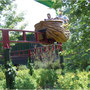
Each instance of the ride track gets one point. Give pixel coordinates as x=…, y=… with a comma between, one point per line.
x=6, y=43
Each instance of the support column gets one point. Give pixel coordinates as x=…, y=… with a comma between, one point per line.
x=9, y=72
x=30, y=64
x=6, y=57
x=61, y=61
x=61, y=57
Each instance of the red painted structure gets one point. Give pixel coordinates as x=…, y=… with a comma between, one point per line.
x=6, y=46
x=5, y=37
x=46, y=48
x=6, y=42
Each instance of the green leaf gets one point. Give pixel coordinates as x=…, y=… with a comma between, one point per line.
x=88, y=85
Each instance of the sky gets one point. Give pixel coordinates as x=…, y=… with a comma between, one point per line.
x=34, y=12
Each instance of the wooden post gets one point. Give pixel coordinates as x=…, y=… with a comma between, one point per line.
x=9, y=73
x=6, y=57
x=61, y=61
x=55, y=50
x=61, y=57
x=30, y=66
x=24, y=36
x=37, y=36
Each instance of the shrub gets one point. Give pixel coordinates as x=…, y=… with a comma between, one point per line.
x=47, y=64
x=22, y=73
x=2, y=68
x=78, y=80
x=24, y=80
x=56, y=65
x=47, y=79
x=2, y=75
x=2, y=84
x=88, y=68
x=36, y=73
x=25, y=83
x=22, y=67
x=39, y=64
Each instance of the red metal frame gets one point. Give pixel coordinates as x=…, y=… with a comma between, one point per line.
x=24, y=36
x=5, y=37
x=46, y=48
x=6, y=42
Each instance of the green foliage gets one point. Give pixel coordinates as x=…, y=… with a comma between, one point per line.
x=24, y=80
x=3, y=84
x=22, y=73
x=54, y=65
x=39, y=64
x=78, y=80
x=22, y=67
x=77, y=48
x=4, y=3
x=9, y=19
x=7, y=76
x=2, y=68
x=88, y=68
x=25, y=83
x=47, y=79
x=47, y=64
x=30, y=66
x=2, y=75
x=10, y=74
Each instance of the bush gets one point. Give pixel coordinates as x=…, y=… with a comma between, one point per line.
x=23, y=73
x=25, y=83
x=78, y=80
x=39, y=64
x=2, y=68
x=36, y=73
x=56, y=65
x=44, y=78
x=22, y=67
x=47, y=79
x=88, y=68
x=24, y=80
x=2, y=84
x=47, y=64
x=2, y=75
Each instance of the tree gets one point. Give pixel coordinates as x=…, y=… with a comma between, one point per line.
x=77, y=48
x=9, y=18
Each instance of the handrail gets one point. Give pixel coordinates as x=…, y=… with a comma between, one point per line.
x=17, y=30
x=6, y=41
x=45, y=48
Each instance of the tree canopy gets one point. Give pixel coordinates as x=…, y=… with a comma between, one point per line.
x=77, y=49
x=9, y=19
